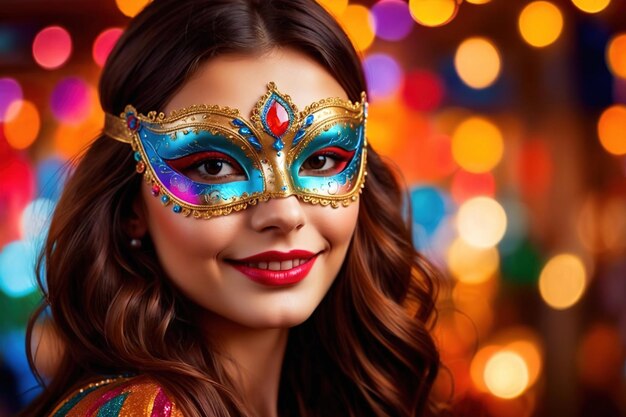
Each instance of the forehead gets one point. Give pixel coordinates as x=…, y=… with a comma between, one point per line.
x=237, y=81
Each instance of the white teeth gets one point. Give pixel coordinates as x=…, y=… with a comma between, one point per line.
x=277, y=265
x=274, y=266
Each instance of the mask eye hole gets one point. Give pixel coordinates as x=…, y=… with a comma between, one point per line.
x=326, y=162
x=209, y=167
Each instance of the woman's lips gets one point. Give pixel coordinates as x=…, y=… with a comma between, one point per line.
x=276, y=268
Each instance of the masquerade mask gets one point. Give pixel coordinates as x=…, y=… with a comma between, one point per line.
x=207, y=160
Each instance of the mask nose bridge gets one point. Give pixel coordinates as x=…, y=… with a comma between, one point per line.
x=278, y=181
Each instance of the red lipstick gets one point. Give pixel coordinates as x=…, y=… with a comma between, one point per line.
x=276, y=277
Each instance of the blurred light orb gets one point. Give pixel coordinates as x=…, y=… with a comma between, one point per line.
x=70, y=101
x=35, y=218
x=358, y=23
x=612, y=129
x=17, y=268
x=51, y=176
x=433, y=12
x=591, y=6
x=334, y=7
x=540, y=23
x=472, y=265
x=466, y=185
x=103, y=45
x=52, y=47
x=531, y=353
x=562, y=281
x=478, y=1
x=477, y=366
x=23, y=128
x=616, y=55
x=428, y=207
x=10, y=92
x=477, y=62
x=535, y=167
x=392, y=20
x=383, y=74
x=423, y=90
x=481, y=222
x=131, y=8
x=70, y=140
x=388, y=122
x=506, y=374
x=477, y=145
x=601, y=357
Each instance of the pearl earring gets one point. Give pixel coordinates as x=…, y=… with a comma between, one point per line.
x=135, y=243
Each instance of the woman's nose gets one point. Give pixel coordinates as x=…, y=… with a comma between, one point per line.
x=283, y=214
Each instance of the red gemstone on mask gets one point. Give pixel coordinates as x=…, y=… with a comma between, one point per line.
x=277, y=119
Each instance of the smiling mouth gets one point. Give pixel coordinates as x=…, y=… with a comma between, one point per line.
x=275, y=268
x=274, y=265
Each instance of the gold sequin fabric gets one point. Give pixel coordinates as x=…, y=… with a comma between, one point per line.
x=118, y=397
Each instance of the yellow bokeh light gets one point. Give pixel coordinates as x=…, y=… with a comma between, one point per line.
x=477, y=366
x=23, y=127
x=612, y=129
x=477, y=145
x=562, y=281
x=471, y=265
x=616, y=55
x=477, y=61
x=481, y=222
x=540, y=23
x=531, y=355
x=591, y=6
x=433, y=12
x=506, y=374
x=334, y=7
x=131, y=7
x=358, y=23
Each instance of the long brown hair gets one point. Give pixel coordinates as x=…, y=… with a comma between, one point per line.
x=366, y=350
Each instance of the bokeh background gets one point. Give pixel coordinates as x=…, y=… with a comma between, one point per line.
x=507, y=121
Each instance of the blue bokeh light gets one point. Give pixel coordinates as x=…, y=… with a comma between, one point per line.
x=17, y=268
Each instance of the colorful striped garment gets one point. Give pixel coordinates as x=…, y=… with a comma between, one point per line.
x=118, y=397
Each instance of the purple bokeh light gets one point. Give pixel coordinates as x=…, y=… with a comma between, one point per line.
x=10, y=91
x=383, y=74
x=70, y=100
x=392, y=20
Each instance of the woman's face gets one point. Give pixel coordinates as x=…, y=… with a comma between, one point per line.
x=203, y=257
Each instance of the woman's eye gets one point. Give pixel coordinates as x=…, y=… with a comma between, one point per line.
x=209, y=167
x=326, y=162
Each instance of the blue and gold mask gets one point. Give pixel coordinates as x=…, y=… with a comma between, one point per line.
x=207, y=160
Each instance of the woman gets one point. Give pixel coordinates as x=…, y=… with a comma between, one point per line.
x=232, y=259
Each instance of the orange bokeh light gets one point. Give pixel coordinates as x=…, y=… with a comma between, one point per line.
x=612, y=129
x=23, y=128
x=358, y=23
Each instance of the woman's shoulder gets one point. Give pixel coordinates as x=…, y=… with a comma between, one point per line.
x=118, y=397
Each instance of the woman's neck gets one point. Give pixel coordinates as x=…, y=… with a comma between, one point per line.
x=254, y=359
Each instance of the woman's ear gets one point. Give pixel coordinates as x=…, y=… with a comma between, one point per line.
x=136, y=225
